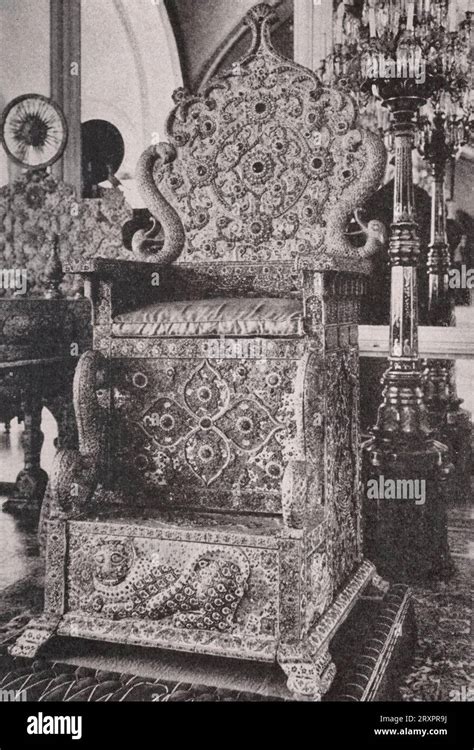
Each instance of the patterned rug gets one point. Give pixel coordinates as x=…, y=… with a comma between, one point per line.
x=46, y=681
x=443, y=666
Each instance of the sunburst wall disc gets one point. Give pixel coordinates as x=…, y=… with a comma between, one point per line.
x=33, y=131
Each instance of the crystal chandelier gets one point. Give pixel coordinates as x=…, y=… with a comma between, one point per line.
x=442, y=131
x=446, y=119
x=421, y=45
x=444, y=127
x=391, y=47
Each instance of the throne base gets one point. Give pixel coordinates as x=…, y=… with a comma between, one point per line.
x=309, y=666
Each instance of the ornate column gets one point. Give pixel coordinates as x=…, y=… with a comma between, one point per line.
x=402, y=415
x=392, y=54
x=438, y=261
x=453, y=424
x=405, y=539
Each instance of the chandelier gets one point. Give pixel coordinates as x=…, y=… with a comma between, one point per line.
x=419, y=46
x=408, y=62
x=395, y=47
x=444, y=127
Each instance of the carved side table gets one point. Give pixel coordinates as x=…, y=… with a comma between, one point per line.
x=40, y=342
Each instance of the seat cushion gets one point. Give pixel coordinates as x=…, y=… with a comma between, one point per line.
x=221, y=316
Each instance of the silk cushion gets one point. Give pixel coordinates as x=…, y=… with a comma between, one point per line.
x=220, y=316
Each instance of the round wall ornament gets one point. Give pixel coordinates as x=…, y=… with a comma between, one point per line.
x=33, y=131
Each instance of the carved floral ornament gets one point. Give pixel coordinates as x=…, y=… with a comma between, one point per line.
x=266, y=164
x=37, y=206
x=209, y=424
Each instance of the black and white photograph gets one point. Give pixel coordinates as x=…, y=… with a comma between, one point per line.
x=236, y=368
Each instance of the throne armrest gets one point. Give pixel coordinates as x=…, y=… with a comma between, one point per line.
x=76, y=474
x=114, y=284
x=112, y=268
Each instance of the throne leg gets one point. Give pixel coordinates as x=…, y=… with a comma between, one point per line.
x=307, y=661
x=40, y=629
x=37, y=634
x=309, y=676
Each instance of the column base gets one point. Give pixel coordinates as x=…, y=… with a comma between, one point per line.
x=27, y=494
x=404, y=511
x=456, y=433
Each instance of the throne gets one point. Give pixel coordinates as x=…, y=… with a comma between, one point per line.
x=214, y=506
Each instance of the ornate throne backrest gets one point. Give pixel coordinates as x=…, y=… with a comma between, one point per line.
x=266, y=165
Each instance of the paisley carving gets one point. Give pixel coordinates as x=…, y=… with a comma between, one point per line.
x=122, y=582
